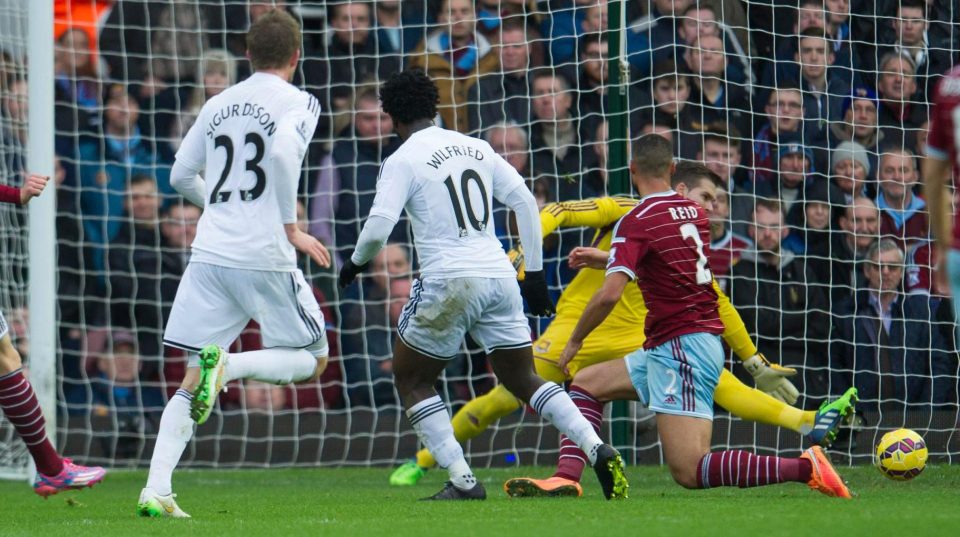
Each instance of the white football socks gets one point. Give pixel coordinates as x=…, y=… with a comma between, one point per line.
x=551, y=402
x=276, y=366
x=431, y=421
x=176, y=429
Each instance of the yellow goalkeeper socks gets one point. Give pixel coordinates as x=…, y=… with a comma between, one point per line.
x=750, y=404
x=475, y=417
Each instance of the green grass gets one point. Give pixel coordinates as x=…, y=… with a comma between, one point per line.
x=359, y=502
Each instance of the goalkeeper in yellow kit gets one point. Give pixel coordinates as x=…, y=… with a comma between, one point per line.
x=617, y=337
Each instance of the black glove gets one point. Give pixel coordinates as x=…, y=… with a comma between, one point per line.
x=534, y=291
x=349, y=271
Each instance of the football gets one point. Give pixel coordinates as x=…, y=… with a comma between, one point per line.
x=901, y=454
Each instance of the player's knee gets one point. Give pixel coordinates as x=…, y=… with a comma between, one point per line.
x=9, y=357
x=685, y=476
x=590, y=381
x=522, y=385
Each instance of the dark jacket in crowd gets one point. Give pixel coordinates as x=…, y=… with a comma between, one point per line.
x=908, y=364
x=784, y=313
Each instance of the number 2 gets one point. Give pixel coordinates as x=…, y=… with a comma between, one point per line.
x=689, y=231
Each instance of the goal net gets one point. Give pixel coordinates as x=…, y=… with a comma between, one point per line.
x=819, y=107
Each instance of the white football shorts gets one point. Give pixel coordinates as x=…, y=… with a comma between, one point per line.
x=214, y=304
x=441, y=311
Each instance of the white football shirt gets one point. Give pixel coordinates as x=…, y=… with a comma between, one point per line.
x=238, y=136
x=447, y=182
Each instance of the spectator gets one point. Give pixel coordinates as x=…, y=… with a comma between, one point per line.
x=118, y=393
x=14, y=126
x=858, y=123
x=401, y=24
x=785, y=112
x=493, y=14
x=455, y=57
x=794, y=167
x=106, y=168
x=368, y=324
x=909, y=37
x=261, y=397
x=823, y=88
x=137, y=289
x=806, y=15
x=883, y=342
x=859, y=224
x=671, y=94
x=598, y=176
x=652, y=39
x=721, y=154
x=810, y=237
x=899, y=116
x=504, y=95
x=178, y=106
x=347, y=182
x=555, y=138
x=76, y=91
x=772, y=290
x=509, y=140
x=354, y=54
x=903, y=215
x=712, y=99
x=725, y=245
x=568, y=21
x=700, y=20
x=850, y=168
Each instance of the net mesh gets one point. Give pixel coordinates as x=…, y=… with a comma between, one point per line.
x=735, y=84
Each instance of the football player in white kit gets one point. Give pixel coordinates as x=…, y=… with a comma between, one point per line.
x=446, y=181
x=249, y=141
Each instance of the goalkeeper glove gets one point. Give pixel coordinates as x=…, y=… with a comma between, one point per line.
x=772, y=378
x=534, y=290
x=349, y=271
x=516, y=258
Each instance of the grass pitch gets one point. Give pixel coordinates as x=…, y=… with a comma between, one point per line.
x=355, y=501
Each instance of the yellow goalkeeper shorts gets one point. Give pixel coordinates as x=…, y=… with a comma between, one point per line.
x=601, y=345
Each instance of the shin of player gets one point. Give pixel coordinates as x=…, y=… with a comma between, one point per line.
x=243, y=262
x=942, y=158
x=19, y=403
x=660, y=244
x=446, y=182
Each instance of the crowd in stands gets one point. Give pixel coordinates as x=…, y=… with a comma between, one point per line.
x=813, y=113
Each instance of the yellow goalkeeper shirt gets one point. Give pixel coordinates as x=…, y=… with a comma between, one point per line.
x=629, y=314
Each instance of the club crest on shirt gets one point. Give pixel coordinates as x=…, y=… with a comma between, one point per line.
x=302, y=130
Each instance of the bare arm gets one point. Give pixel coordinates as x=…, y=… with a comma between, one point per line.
x=307, y=244
x=935, y=173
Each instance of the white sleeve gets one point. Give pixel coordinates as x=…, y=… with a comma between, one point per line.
x=376, y=230
x=294, y=132
x=193, y=148
x=185, y=180
x=394, y=186
x=511, y=190
x=524, y=205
